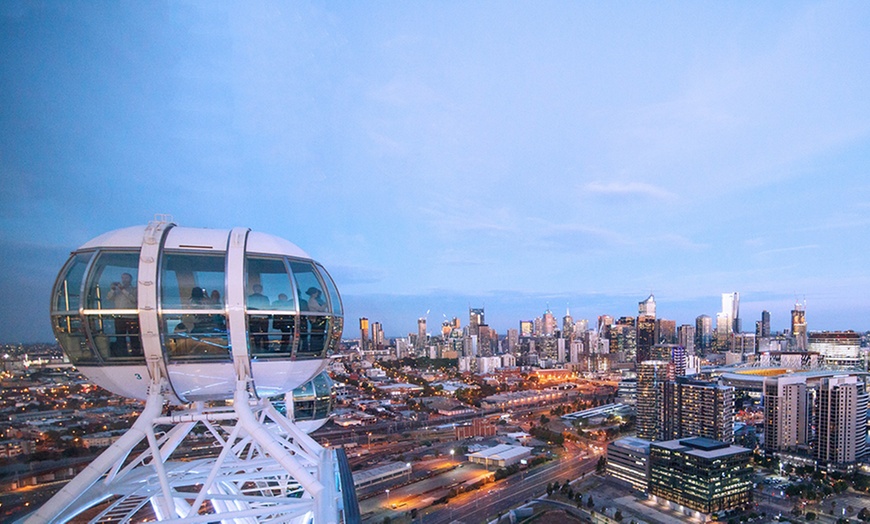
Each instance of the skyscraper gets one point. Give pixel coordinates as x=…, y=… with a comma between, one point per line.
x=475, y=319
x=364, y=335
x=421, y=333
x=647, y=307
x=799, y=326
x=567, y=325
x=731, y=308
x=703, y=332
x=693, y=408
x=549, y=323
x=651, y=375
x=786, y=413
x=646, y=330
x=513, y=339
x=378, y=341
x=527, y=328
x=841, y=421
x=686, y=338
x=666, y=331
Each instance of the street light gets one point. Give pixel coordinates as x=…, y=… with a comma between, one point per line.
x=451, y=456
x=388, y=498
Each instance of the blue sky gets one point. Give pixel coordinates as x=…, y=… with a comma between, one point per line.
x=436, y=156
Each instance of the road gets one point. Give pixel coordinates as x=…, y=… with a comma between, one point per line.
x=489, y=501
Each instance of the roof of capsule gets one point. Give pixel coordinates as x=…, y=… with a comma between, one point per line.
x=197, y=239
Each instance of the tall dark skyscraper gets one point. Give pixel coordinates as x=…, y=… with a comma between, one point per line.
x=666, y=331
x=475, y=319
x=646, y=337
x=703, y=332
x=421, y=333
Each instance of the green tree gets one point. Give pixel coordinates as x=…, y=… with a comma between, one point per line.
x=810, y=515
x=601, y=467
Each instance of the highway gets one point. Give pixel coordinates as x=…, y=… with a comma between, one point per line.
x=494, y=498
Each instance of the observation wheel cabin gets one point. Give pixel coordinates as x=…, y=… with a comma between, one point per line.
x=200, y=304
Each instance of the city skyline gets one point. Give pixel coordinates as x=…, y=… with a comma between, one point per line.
x=441, y=157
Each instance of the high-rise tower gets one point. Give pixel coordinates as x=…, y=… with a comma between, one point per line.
x=567, y=324
x=703, y=332
x=786, y=413
x=731, y=308
x=364, y=335
x=646, y=339
x=799, y=326
x=475, y=319
x=651, y=376
x=548, y=323
x=647, y=307
x=421, y=333
x=694, y=408
x=841, y=421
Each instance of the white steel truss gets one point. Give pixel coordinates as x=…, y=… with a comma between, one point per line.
x=266, y=470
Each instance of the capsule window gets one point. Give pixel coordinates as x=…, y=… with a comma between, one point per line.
x=268, y=285
x=196, y=337
x=310, y=288
x=112, y=282
x=334, y=298
x=193, y=281
x=68, y=290
x=116, y=337
x=71, y=336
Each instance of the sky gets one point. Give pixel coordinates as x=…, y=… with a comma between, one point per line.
x=437, y=156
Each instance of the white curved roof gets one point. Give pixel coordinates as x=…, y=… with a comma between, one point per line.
x=126, y=237
x=198, y=238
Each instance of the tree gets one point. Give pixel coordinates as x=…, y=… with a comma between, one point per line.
x=618, y=516
x=601, y=467
x=590, y=503
x=810, y=515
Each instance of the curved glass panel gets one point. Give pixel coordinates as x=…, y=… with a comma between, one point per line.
x=334, y=298
x=116, y=337
x=269, y=289
x=272, y=335
x=71, y=336
x=268, y=285
x=196, y=337
x=313, y=330
x=334, y=341
x=68, y=289
x=313, y=400
x=112, y=282
x=193, y=281
x=309, y=288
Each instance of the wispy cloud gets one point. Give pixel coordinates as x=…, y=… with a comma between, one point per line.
x=792, y=249
x=629, y=189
